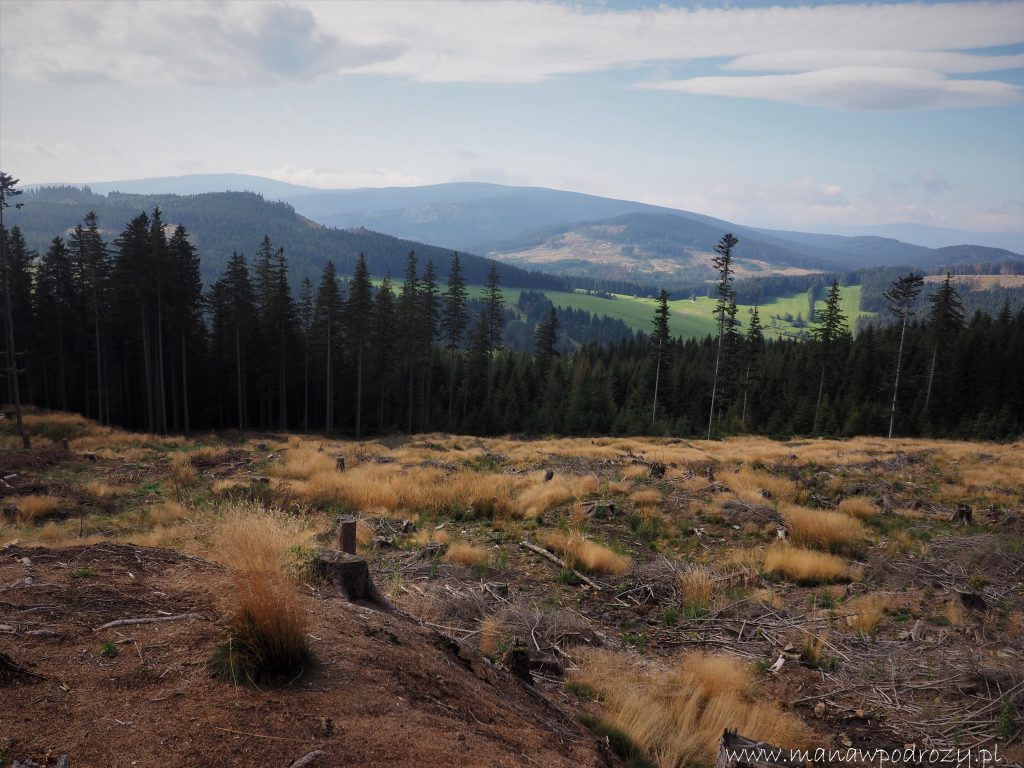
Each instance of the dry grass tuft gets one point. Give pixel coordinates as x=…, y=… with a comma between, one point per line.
x=538, y=498
x=465, y=554
x=817, y=527
x=804, y=565
x=697, y=587
x=768, y=597
x=181, y=473
x=267, y=635
x=646, y=497
x=27, y=509
x=865, y=612
x=748, y=485
x=428, y=536
x=860, y=507
x=677, y=717
x=303, y=461
x=619, y=486
x=579, y=552
x=101, y=490
x=166, y=512
x=490, y=636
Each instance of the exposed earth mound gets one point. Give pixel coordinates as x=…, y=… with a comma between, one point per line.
x=385, y=690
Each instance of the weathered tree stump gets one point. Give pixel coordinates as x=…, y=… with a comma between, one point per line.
x=735, y=751
x=657, y=470
x=548, y=475
x=352, y=576
x=339, y=463
x=517, y=660
x=964, y=515
x=347, y=534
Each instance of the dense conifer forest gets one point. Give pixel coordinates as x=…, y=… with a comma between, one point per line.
x=123, y=331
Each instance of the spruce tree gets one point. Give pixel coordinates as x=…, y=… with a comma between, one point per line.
x=545, y=340
x=659, y=340
x=327, y=327
x=8, y=189
x=454, y=320
x=829, y=332
x=945, y=321
x=358, y=321
x=186, y=307
x=754, y=347
x=430, y=311
x=305, y=313
x=384, y=334
x=409, y=316
x=725, y=309
x=54, y=299
x=901, y=297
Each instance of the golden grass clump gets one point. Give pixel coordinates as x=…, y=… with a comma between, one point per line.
x=538, y=498
x=465, y=554
x=303, y=461
x=634, y=471
x=619, y=486
x=748, y=485
x=860, y=507
x=392, y=487
x=804, y=565
x=818, y=527
x=427, y=536
x=648, y=496
x=490, y=636
x=697, y=587
x=98, y=489
x=865, y=612
x=267, y=634
x=181, y=473
x=27, y=509
x=768, y=597
x=166, y=512
x=677, y=717
x=579, y=552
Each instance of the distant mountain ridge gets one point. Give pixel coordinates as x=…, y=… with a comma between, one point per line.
x=573, y=233
x=220, y=223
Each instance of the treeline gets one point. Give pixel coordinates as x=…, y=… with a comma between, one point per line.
x=124, y=332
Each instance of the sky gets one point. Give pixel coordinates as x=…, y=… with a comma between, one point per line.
x=814, y=116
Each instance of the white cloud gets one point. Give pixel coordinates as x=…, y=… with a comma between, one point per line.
x=858, y=88
x=878, y=56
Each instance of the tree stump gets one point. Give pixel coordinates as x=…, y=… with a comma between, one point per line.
x=735, y=751
x=964, y=515
x=548, y=475
x=347, y=534
x=339, y=463
x=657, y=470
x=352, y=576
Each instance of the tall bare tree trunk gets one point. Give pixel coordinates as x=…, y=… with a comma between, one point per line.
x=896, y=383
x=160, y=390
x=330, y=394
x=657, y=380
x=817, y=406
x=12, y=360
x=359, y=392
x=184, y=380
x=99, y=356
x=147, y=368
x=714, y=381
x=931, y=379
x=241, y=388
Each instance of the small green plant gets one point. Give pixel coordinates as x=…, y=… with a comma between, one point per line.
x=636, y=640
x=671, y=616
x=568, y=577
x=109, y=650
x=620, y=743
x=84, y=573
x=500, y=560
x=580, y=690
x=1006, y=725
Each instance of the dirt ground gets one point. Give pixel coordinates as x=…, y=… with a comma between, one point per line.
x=385, y=691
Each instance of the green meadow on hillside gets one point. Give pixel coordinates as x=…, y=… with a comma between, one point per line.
x=693, y=318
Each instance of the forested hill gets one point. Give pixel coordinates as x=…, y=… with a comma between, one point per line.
x=221, y=223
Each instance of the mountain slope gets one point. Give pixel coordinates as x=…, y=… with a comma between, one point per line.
x=223, y=222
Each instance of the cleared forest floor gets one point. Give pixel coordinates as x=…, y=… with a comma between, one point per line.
x=810, y=593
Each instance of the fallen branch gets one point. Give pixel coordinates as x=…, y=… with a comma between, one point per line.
x=308, y=760
x=147, y=620
x=555, y=559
